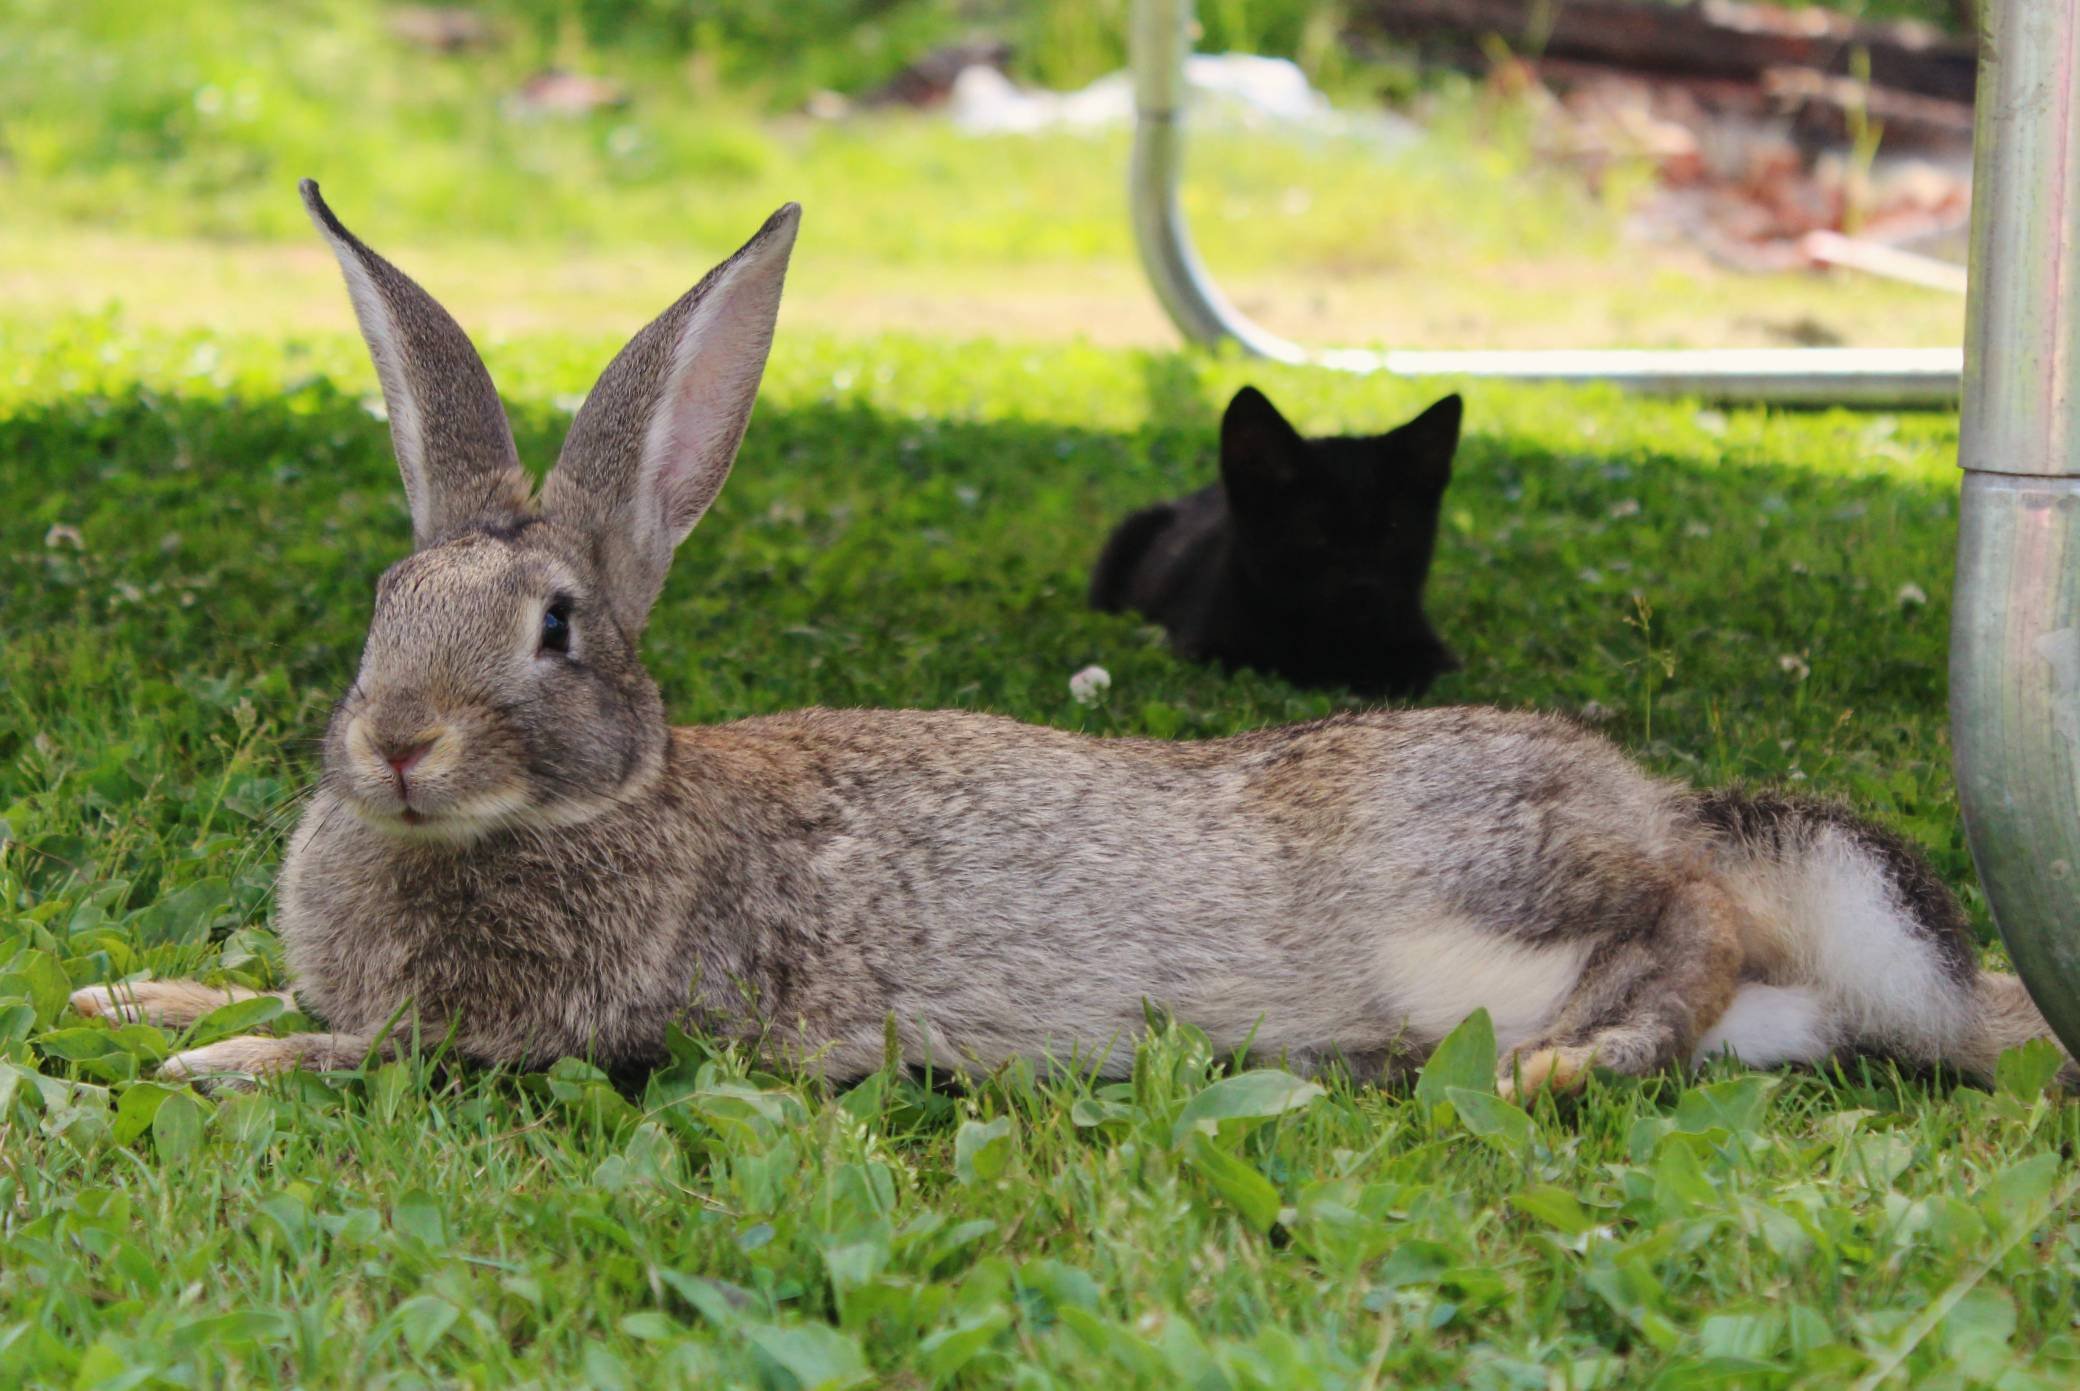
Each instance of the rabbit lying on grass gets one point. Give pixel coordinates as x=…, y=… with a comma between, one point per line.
x=510, y=842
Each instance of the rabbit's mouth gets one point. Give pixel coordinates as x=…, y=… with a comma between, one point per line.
x=410, y=823
x=463, y=824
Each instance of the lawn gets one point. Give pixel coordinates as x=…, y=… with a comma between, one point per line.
x=194, y=523
x=970, y=384
x=148, y=154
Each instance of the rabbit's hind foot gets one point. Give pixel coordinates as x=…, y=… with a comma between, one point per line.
x=1527, y=1072
x=1643, y=998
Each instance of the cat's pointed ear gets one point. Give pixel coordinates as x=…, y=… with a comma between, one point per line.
x=1425, y=445
x=1261, y=455
x=652, y=444
x=453, y=444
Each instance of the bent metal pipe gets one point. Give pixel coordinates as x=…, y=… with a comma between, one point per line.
x=2015, y=630
x=1159, y=40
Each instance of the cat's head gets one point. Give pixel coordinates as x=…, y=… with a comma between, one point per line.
x=1343, y=517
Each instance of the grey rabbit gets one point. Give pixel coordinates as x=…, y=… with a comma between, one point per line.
x=509, y=841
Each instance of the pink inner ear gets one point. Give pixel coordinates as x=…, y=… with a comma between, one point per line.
x=651, y=447
x=699, y=421
x=694, y=435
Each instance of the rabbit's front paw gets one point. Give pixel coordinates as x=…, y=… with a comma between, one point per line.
x=1526, y=1073
x=170, y=1003
x=237, y=1063
x=234, y=1064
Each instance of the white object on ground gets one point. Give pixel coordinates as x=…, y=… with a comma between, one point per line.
x=1241, y=88
x=1088, y=687
x=1877, y=258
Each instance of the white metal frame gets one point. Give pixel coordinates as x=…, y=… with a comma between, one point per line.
x=1159, y=43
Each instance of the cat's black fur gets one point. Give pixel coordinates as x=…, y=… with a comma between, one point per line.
x=1306, y=559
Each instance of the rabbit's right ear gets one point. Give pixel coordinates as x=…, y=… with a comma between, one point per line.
x=453, y=444
x=652, y=444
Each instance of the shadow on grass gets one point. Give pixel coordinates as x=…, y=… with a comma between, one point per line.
x=1729, y=618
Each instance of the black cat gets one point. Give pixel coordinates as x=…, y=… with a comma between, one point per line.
x=1307, y=559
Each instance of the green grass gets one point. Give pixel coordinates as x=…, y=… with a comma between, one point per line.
x=149, y=153
x=193, y=522
x=189, y=120
x=197, y=500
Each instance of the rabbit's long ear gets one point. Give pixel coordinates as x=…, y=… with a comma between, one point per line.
x=454, y=446
x=653, y=442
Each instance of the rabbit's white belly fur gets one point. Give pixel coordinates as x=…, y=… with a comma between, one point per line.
x=1437, y=975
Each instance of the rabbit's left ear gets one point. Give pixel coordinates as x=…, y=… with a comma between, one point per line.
x=652, y=444
x=453, y=444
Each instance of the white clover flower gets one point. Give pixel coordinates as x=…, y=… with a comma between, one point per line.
x=1794, y=666
x=1910, y=596
x=1088, y=687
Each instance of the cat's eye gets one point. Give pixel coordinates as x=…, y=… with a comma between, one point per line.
x=556, y=627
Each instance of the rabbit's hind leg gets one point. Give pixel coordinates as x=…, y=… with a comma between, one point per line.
x=168, y=1003
x=1644, y=997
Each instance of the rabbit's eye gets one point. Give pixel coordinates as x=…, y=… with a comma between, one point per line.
x=556, y=626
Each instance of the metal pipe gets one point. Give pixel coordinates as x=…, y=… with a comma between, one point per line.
x=1158, y=43
x=2015, y=630
x=1159, y=40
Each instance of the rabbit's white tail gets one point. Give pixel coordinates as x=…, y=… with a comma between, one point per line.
x=1859, y=946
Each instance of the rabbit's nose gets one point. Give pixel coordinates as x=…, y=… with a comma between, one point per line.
x=402, y=761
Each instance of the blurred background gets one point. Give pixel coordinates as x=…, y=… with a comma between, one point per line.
x=1468, y=173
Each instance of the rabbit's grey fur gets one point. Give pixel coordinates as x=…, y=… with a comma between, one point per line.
x=568, y=875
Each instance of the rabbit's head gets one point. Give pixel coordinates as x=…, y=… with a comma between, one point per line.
x=500, y=685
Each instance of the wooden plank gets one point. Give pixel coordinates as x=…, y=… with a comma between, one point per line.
x=1707, y=38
